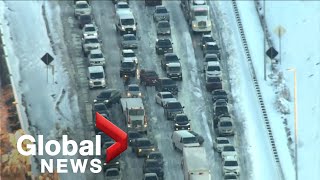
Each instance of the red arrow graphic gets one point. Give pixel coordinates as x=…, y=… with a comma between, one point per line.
x=119, y=136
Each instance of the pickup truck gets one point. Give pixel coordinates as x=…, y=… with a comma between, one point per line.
x=148, y=77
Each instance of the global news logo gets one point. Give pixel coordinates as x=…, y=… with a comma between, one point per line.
x=86, y=148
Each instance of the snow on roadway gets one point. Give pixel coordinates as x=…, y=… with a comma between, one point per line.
x=246, y=105
x=50, y=106
x=300, y=50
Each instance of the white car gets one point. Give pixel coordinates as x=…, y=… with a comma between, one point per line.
x=228, y=150
x=96, y=58
x=90, y=30
x=220, y=142
x=122, y=6
x=89, y=43
x=213, y=69
x=134, y=90
x=81, y=8
x=230, y=165
x=163, y=97
x=128, y=54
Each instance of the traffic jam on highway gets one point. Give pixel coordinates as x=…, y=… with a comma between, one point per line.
x=129, y=108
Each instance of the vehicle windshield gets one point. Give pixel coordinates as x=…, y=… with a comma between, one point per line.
x=174, y=68
x=182, y=119
x=213, y=68
x=123, y=6
x=223, y=141
x=136, y=112
x=93, y=40
x=163, y=25
x=231, y=163
x=145, y=143
x=128, y=38
x=88, y=29
x=168, y=82
x=113, y=173
x=164, y=42
x=226, y=124
x=201, y=13
x=93, y=56
x=82, y=6
x=229, y=148
x=189, y=140
x=100, y=107
x=134, y=88
x=161, y=10
x=165, y=96
x=127, y=64
x=129, y=55
x=96, y=75
x=127, y=22
x=175, y=105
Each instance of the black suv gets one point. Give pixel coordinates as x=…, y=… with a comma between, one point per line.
x=172, y=108
x=181, y=122
x=128, y=68
x=163, y=46
x=168, y=58
x=153, y=166
x=166, y=85
x=109, y=97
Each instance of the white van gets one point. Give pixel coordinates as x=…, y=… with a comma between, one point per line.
x=125, y=23
x=96, y=77
x=183, y=138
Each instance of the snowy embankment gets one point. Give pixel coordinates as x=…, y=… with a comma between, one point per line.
x=50, y=106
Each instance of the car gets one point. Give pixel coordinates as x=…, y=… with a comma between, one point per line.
x=122, y=6
x=109, y=97
x=211, y=48
x=133, y=90
x=213, y=83
x=156, y=155
x=209, y=58
x=85, y=19
x=132, y=136
x=128, y=67
x=81, y=8
x=230, y=165
x=225, y=126
x=90, y=30
x=181, y=122
x=163, y=97
x=174, y=71
x=230, y=176
x=96, y=58
x=199, y=138
x=169, y=58
x=166, y=85
x=150, y=176
x=206, y=38
x=213, y=69
x=143, y=146
x=161, y=14
x=219, y=94
x=148, y=77
x=219, y=143
x=129, y=41
x=163, y=28
x=163, y=46
x=99, y=108
x=113, y=173
x=228, y=150
x=129, y=54
x=89, y=43
x=172, y=108
x=153, y=166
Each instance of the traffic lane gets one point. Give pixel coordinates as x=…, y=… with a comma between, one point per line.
x=194, y=90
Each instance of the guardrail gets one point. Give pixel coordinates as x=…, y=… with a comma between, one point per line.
x=258, y=91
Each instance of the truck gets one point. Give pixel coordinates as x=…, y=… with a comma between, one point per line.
x=135, y=115
x=195, y=164
x=197, y=14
